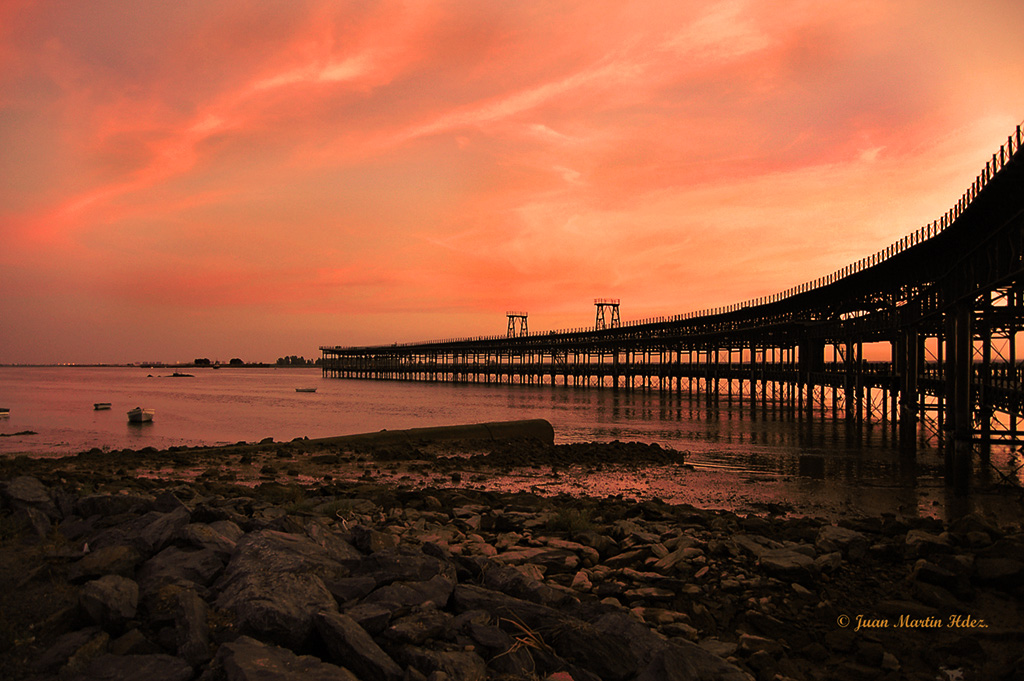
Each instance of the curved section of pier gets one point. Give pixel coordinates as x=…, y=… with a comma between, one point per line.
x=946, y=300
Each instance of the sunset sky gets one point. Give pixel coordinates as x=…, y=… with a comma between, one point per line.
x=218, y=178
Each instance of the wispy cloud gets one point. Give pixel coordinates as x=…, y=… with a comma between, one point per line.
x=389, y=171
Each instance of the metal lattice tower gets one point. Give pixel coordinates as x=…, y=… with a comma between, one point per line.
x=601, y=322
x=516, y=324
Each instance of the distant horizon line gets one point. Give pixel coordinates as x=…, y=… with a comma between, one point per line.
x=159, y=365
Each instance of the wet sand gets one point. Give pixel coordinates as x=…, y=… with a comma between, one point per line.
x=628, y=471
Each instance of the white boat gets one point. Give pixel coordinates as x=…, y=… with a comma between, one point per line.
x=305, y=390
x=101, y=405
x=140, y=415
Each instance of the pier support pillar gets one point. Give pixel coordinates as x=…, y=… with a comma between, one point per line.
x=811, y=362
x=985, y=411
x=849, y=382
x=908, y=367
x=960, y=370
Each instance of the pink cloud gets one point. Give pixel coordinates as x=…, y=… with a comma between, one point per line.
x=395, y=169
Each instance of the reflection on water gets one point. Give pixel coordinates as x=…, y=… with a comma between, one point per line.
x=731, y=438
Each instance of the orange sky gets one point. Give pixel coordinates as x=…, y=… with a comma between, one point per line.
x=232, y=179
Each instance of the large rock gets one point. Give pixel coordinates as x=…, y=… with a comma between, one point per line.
x=107, y=560
x=919, y=543
x=675, y=660
x=371, y=540
x=154, y=530
x=553, y=559
x=274, y=586
x=247, y=659
x=852, y=544
x=676, y=560
x=787, y=563
x=453, y=665
x=37, y=520
x=26, y=492
x=352, y=647
x=573, y=639
x=65, y=646
x=192, y=628
x=107, y=505
x=180, y=566
x=513, y=582
x=755, y=544
x=602, y=543
x=506, y=655
x=589, y=555
x=631, y=558
x=404, y=564
x=419, y=625
x=337, y=548
x=350, y=589
x=133, y=642
x=219, y=537
x=111, y=600
x=373, y=617
x=435, y=591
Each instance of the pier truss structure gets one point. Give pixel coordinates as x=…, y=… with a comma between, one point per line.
x=610, y=320
x=517, y=324
x=944, y=305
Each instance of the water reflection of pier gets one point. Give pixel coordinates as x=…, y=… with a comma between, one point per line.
x=944, y=305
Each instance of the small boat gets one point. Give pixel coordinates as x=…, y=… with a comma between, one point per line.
x=305, y=390
x=4, y=411
x=101, y=405
x=140, y=415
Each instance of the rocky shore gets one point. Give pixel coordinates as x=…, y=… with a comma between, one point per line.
x=299, y=561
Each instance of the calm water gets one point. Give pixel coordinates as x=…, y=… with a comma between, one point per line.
x=758, y=449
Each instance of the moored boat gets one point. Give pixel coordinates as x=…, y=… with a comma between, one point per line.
x=101, y=405
x=140, y=415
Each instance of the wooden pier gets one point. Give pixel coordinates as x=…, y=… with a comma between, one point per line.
x=943, y=306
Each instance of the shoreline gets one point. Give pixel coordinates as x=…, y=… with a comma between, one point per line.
x=428, y=456
x=420, y=566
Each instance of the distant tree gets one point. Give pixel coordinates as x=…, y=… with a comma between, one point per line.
x=294, y=361
x=202, y=362
x=235, y=362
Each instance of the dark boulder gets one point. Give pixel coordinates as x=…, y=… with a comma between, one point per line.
x=404, y=564
x=180, y=566
x=192, y=628
x=247, y=659
x=352, y=647
x=274, y=586
x=434, y=591
x=107, y=560
x=25, y=492
x=454, y=665
x=111, y=600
